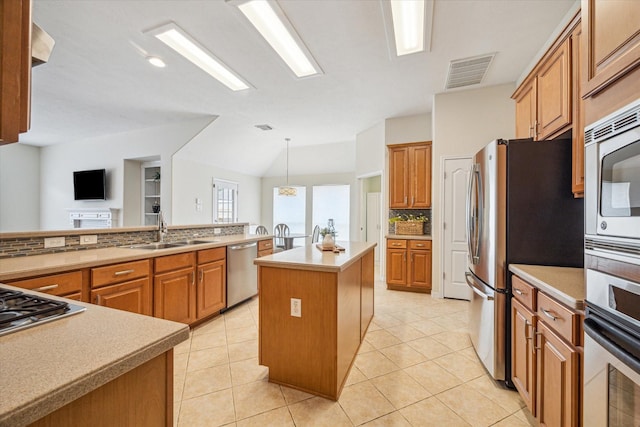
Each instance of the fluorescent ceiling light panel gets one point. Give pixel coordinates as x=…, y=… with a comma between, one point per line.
x=276, y=29
x=408, y=25
x=178, y=40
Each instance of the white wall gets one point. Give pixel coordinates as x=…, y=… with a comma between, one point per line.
x=193, y=180
x=314, y=159
x=268, y=183
x=400, y=130
x=463, y=123
x=19, y=187
x=59, y=161
x=370, y=149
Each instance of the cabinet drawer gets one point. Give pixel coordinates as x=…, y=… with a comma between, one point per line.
x=396, y=244
x=58, y=284
x=263, y=245
x=265, y=252
x=110, y=274
x=175, y=262
x=420, y=244
x=524, y=292
x=559, y=318
x=209, y=255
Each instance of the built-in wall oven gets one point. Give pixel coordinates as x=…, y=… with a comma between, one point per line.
x=611, y=351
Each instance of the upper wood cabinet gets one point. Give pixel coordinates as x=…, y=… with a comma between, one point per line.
x=15, y=69
x=543, y=102
x=577, y=162
x=410, y=176
x=612, y=40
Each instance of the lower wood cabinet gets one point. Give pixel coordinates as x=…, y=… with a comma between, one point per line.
x=125, y=286
x=265, y=247
x=546, y=351
x=69, y=284
x=190, y=286
x=409, y=265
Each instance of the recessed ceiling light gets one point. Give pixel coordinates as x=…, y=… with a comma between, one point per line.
x=273, y=25
x=408, y=25
x=177, y=39
x=156, y=62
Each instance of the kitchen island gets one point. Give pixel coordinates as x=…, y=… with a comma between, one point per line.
x=98, y=367
x=315, y=308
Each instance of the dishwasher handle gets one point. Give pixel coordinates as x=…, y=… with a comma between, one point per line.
x=243, y=246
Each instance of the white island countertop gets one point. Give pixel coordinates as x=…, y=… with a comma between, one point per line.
x=44, y=367
x=309, y=257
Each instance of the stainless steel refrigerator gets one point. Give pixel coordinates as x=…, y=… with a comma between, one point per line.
x=520, y=210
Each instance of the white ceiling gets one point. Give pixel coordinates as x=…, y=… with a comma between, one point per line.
x=97, y=83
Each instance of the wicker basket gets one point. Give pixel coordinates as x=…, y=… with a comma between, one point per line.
x=409, y=227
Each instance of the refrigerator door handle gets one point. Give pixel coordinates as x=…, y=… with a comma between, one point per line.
x=474, y=214
x=471, y=282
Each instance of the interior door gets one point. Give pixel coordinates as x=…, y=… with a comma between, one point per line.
x=456, y=177
x=373, y=221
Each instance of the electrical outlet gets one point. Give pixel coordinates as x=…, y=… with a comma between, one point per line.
x=53, y=242
x=90, y=239
x=217, y=231
x=296, y=307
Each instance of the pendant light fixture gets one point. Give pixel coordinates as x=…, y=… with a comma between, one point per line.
x=287, y=190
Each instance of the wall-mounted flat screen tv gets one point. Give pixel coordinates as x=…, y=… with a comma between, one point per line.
x=90, y=185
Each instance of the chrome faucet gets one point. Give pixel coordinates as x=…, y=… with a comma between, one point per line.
x=162, y=228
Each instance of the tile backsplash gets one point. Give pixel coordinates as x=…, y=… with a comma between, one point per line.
x=34, y=244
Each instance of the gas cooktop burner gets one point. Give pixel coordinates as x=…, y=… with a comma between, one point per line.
x=19, y=310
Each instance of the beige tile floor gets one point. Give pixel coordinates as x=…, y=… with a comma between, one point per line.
x=416, y=367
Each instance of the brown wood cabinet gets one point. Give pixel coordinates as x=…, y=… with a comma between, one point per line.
x=174, y=287
x=265, y=247
x=409, y=265
x=125, y=286
x=612, y=41
x=211, y=295
x=410, y=176
x=186, y=291
x=15, y=69
x=69, y=284
x=549, y=103
x=546, y=350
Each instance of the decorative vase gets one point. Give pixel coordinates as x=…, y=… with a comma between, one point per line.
x=156, y=207
x=328, y=242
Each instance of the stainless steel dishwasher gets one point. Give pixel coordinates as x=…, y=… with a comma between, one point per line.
x=242, y=274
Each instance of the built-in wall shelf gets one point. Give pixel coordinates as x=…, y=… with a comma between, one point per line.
x=151, y=201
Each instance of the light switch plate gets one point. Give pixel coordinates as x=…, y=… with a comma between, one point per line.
x=296, y=307
x=53, y=242
x=90, y=239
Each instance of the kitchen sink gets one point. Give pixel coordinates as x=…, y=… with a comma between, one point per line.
x=159, y=245
x=195, y=242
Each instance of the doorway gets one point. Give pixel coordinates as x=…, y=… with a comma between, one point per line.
x=371, y=211
x=454, y=230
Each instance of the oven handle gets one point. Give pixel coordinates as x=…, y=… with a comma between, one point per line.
x=593, y=326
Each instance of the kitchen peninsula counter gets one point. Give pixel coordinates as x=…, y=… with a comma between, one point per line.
x=26, y=266
x=121, y=360
x=315, y=307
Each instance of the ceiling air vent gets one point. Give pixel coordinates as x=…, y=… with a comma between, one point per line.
x=468, y=71
x=264, y=127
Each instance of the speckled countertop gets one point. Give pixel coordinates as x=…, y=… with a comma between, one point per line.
x=43, y=368
x=409, y=236
x=564, y=284
x=20, y=267
x=311, y=258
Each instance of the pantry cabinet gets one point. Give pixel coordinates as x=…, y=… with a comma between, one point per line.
x=15, y=69
x=410, y=176
x=125, y=286
x=546, y=340
x=409, y=265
